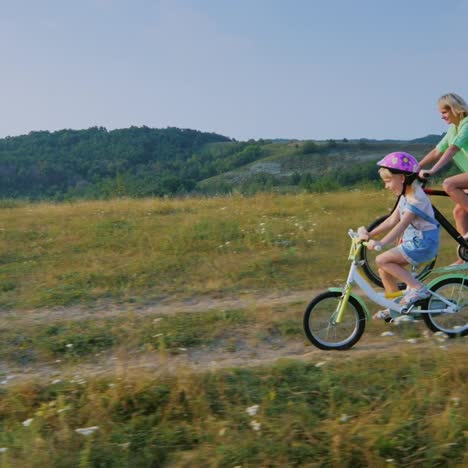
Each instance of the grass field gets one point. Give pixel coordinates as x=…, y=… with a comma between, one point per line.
x=153, y=333
x=143, y=250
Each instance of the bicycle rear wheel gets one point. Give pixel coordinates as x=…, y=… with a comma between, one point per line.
x=456, y=291
x=323, y=332
x=370, y=267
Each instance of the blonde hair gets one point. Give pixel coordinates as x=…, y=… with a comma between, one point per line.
x=455, y=103
x=386, y=174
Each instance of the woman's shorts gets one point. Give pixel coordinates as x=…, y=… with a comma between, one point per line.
x=420, y=246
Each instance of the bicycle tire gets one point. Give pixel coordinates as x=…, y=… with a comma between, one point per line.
x=325, y=335
x=370, y=268
x=453, y=325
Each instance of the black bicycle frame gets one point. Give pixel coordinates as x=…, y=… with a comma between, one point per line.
x=443, y=220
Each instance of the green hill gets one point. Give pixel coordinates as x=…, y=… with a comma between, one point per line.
x=314, y=166
x=141, y=161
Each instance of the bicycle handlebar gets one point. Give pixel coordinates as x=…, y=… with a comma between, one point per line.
x=354, y=235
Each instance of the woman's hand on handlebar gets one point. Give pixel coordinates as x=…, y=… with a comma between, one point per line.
x=424, y=174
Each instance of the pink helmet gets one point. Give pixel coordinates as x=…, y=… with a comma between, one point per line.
x=400, y=163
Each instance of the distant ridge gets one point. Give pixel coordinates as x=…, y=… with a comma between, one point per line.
x=428, y=139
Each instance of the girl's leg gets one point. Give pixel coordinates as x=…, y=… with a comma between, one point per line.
x=393, y=265
x=390, y=283
x=455, y=187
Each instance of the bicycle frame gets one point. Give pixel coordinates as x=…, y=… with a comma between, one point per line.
x=355, y=276
x=443, y=220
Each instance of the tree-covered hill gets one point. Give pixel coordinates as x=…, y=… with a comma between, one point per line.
x=96, y=162
x=142, y=161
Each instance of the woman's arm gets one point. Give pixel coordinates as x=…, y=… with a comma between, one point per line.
x=448, y=155
x=430, y=158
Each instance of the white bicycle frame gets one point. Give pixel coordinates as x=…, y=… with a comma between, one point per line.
x=356, y=277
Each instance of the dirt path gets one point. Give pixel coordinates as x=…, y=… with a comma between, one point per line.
x=247, y=353
x=165, y=306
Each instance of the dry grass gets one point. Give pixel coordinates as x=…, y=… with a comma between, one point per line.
x=141, y=250
x=406, y=408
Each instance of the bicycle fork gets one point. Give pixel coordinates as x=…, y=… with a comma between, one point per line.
x=338, y=315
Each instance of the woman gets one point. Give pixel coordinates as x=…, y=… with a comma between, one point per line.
x=454, y=145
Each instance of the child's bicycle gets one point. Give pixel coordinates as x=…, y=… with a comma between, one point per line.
x=368, y=258
x=336, y=319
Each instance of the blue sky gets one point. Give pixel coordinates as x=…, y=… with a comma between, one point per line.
x=304, y=69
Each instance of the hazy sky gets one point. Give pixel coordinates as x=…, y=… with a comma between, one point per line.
x=307, y=69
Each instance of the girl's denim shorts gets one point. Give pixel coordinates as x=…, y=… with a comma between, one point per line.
x=419, y=246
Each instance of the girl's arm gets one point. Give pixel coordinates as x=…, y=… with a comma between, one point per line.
x=398, y=230
x=388, y=224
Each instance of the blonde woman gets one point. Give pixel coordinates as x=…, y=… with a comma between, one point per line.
x=454, y=145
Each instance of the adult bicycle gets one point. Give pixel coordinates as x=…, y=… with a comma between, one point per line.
x=420, y=272
x=336, y=319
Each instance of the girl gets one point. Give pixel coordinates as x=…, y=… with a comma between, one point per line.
x=454, y=145
x=413, y=220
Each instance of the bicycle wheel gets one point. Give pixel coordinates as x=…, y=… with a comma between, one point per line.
x=370, y=267
x=456, y=291
x=320, y=328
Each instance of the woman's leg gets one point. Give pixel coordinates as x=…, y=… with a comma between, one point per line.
x=455, y=186
x=461, y=219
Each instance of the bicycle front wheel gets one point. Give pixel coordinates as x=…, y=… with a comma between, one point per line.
x=455, y=290
x=369, y=265
x=322, y=330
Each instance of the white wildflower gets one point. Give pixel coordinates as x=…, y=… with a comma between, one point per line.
x=320, y=364
x=441, y=334
x=86, y=431
x=412, y=340
x=252, y=410
x=255, y=425
x=28, y=422
x=344, y=418
x=69, y=345
x=156, y=320
x=388, y=333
